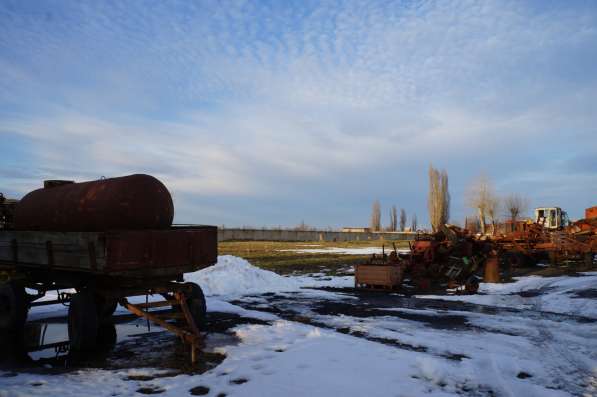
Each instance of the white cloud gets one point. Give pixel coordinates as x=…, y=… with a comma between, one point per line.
x=237, y=100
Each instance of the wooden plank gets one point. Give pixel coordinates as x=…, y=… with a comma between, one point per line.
x=53, y=249
x=127, y=253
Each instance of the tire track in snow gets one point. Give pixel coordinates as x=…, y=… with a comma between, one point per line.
x=579, y=376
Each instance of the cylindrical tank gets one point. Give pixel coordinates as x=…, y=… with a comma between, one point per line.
x=130, y=202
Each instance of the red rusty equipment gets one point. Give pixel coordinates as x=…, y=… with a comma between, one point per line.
x=131, y=202
x=381, y=271
x=534, y=243
x=591, y=213
x=7, y=209
x=449, y=259
x=108, y=240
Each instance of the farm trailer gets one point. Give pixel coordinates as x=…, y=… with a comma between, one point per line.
x=101, y=260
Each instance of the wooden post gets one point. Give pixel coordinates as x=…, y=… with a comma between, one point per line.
x=492, y=269
x=193, y=354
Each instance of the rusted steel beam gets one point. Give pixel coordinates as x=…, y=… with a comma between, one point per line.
x=185, y=335
x=157, y=304
x=171, y=316
x=181, y=298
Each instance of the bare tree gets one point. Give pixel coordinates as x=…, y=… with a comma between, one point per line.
x=376, y=216
x=391, y=225
x=482, y=197
x=515, y=205
x=402, y=219
x=438, y=202
x=393, y=219
x=493, y=206
x=413, y=223
x=472, y=224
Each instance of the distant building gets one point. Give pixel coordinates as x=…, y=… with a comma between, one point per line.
x=356, y=229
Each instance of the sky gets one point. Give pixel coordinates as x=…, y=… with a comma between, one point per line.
x=267, y=113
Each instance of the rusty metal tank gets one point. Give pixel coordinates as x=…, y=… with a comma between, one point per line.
x=132, y=202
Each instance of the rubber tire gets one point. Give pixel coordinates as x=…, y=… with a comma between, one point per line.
x=13, y=306
x=106, y=336
x=105, y=309
x=83, y=322
x=197, y=306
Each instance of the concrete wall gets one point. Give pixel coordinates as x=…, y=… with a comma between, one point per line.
x=295, y=235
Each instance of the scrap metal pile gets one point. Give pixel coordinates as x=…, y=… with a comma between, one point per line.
x=454, y=259
x=449, y=258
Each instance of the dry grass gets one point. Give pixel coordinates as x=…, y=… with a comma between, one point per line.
x=270, y=255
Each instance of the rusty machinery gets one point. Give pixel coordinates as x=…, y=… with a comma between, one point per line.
x=530, y=243
x=7, y=209
x=108, y=240
x=449, y=259
x=452, y=257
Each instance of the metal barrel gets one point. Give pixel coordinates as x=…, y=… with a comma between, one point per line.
x=130, y=202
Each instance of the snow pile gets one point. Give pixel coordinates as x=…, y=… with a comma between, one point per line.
x=235, y=276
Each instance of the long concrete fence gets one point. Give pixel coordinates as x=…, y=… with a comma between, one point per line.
x=228, y=234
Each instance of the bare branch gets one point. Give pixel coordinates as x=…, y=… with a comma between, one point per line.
x=515, y=205
x=482, y=197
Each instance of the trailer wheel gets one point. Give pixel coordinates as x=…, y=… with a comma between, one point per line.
x=196, y=304
x=82, y=321
x=105, y=308
x=13, y=306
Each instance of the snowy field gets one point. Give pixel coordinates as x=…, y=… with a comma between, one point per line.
x=344, y=251
x=313, y=335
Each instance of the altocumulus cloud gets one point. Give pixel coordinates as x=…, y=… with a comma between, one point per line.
x=270, y=113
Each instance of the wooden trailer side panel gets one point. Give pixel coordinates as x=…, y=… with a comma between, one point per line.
x=79, y=251
x=156, y=251
x=129, y=253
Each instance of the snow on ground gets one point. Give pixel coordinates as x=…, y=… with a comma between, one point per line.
x=394, y=350
x=344, y=251
x=294, y=359
x=551, y=294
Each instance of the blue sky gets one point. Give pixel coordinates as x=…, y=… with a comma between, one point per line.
x=269, y=113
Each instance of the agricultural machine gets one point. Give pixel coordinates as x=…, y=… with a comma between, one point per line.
x=552, y=218
x=550, y=238
x=97, y=244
